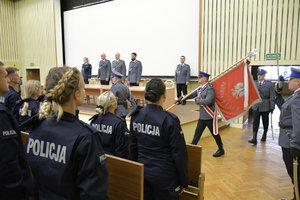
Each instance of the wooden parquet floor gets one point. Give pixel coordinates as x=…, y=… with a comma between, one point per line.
x=245, y=171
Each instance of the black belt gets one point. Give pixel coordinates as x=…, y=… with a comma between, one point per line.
x=281, y=125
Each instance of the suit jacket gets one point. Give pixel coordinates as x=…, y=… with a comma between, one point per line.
x=86, y=72
x=119, y=67
x=208, y=96
x=266, y=92
x=182, y=74
x=135, y=71
x=104, y=70
x=289, y=116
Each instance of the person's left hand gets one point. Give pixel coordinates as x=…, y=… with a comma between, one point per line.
x=295, y=152
x=138, y=82
x=106, y=79
x=187, y=83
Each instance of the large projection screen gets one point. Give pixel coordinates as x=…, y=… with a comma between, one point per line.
x=159, y=31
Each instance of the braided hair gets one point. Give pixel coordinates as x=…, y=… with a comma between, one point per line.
x=61, y=83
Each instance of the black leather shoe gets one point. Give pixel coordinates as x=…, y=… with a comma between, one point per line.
x=219, y=153
x=263, y=138
x=253, y=141
x=183, y=103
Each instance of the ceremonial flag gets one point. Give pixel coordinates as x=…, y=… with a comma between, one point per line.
x=236, y=92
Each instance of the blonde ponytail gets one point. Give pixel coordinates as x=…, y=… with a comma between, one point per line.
x=104, y=102
x=31, y=87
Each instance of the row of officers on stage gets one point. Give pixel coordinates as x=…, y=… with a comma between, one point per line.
x=67, y=156
x=181, y=78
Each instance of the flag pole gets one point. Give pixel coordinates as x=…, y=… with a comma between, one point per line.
x=250, y=54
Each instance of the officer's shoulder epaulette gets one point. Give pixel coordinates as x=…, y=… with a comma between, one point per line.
x=135, y=111
x=88, y=126
x=94, y=117
x=171, y=114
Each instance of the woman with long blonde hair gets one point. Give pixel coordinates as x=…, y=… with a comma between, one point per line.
x=28, y=107
x=65, y=154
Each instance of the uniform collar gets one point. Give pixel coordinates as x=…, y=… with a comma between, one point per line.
x=67, y=116
x=203, y=86
x=153, y=106
x=11, y=88
x=297, y=90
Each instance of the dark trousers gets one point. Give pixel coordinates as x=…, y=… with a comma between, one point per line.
x=200, y=128
x=134, y=84
x=152, y=193
x=181, y=88
x=288, y=161
x=256, y=120
x=104, y=82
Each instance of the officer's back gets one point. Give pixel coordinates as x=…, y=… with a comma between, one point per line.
x=64, y=153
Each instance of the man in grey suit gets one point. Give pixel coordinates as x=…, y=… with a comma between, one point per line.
x=104, y=70
x=289, y=136
x=182, y=77
x=267, y=93
x=134, y=71
x=122, y=93
x=206, y=96
x=119, y=66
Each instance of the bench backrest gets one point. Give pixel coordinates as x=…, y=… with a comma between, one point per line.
x=194, y=163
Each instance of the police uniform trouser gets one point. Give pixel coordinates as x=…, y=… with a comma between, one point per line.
x=104, y=82
x=183, y=88
x=288, y=161
x=256, y=120
x=200, y=128
x=153, y=193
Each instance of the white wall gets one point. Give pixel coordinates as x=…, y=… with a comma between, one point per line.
x=158, y=31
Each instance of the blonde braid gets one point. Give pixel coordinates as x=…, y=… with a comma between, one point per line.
x=45, y=110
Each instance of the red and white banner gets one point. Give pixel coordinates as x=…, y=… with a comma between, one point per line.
x=235, y=92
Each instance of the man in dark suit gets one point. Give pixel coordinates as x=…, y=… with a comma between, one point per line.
x=104, y=70
x=182, y=77
x=119, y=66
x=134, y=71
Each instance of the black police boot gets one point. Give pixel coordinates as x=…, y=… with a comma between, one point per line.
x=183, y=103
x=264, y=136
x=253, y=140
x=220, y=152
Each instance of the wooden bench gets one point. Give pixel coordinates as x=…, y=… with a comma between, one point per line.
x=195, y=190
x=125, y=177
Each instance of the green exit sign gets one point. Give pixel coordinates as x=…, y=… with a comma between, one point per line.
x=31, y=64
x=273, y=56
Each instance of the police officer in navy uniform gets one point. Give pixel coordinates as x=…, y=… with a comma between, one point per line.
x=15, y=180
x=289, y=136
x=122, y=93
x=10, y=98
x=134, y=71
x=86, y=70
x=65, y=154
x=157, y=141
x=267, y=93
x=104, y=70
x=28, y=107
x=182, y=78
x=119, y=66
x=112, y=128
x=206, y=96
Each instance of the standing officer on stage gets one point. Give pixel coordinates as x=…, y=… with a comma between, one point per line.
x=15, y=179
x=104, y=70
x=122, y=93
x=182, y=78
x=289, y=136
x=267, y=93
x=119, y=66
x=10, y=98
x=134, y=71
x=206, y=96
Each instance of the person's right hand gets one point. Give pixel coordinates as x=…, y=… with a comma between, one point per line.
x=279, y=87
x=182, y=190
x=175, y=82
x=97, y=79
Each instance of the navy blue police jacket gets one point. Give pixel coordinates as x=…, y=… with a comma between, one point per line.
x=157, y=141
x=66, y=159
x=10, y=98
x=15, y=180
x=113, y=134
x=87, y=72
x=33, y=109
